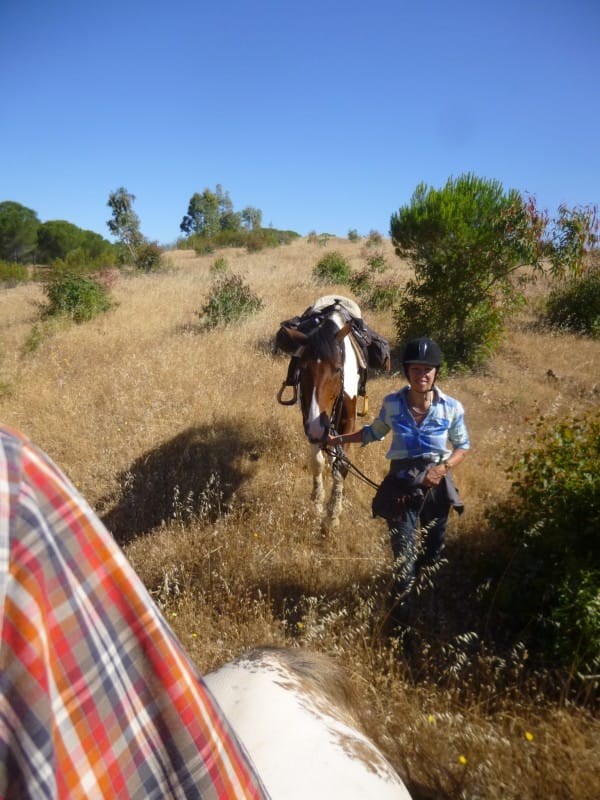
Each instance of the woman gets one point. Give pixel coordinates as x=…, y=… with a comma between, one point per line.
x=429, y=438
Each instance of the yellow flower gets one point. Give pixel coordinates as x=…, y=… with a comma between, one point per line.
x=462, y=760
x=431, y=719
x=300, y=625
x=529, y=736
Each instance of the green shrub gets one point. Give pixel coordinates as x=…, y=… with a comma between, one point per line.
x=230, y=300
x=253, y=241
x=219, y=265
x=75, y=296
x=374, y=239
x=467, y=342
x=148, y=257
x=332, y=268
x=383, y=296
x=12, y=273
x=376, y=262
x=467, y=243
x=202, y=245
x=353, y=235
x=376, y=296
x=361, y=282
x=79, y=260
x=575, y=306
x=548, y=570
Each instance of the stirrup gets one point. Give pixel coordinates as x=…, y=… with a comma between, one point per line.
x=293, y=400
x=365, y=406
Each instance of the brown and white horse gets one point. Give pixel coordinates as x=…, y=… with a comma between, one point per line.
x=295, y=714
x=329, y=376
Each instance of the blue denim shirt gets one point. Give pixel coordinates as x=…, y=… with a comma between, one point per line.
x=443, y=425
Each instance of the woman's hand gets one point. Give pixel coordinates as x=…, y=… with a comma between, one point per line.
x=435, y=475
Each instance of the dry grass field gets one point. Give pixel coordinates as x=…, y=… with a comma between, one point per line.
x=174, y=435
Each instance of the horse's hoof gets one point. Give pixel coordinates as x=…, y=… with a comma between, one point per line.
x=331, y=523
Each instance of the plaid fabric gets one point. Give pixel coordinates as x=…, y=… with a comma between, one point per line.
x=445, y=422
x=97, y=697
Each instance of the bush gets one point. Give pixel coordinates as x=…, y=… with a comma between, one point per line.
x=548, y=571
x=219, y=265
x=75, y=296
x=575, y=306
x=376, y=296
x=230, y=300
x=79, y=260
x=12, y=273
x=376, y=262
x=467, y=243
x=353, y=235
x=253, y=241
x=332, y=268
x=374, y=239
x=148, y=257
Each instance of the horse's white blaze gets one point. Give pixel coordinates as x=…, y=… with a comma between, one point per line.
x=314, y=426
x=302, y=745
x=350, y=370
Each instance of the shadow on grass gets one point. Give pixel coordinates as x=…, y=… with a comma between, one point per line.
x=192, y=475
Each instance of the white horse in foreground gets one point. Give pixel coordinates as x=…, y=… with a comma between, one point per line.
x=291, y=710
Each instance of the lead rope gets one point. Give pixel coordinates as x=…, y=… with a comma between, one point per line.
x=337, y=454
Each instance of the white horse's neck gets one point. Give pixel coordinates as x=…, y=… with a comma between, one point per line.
x=301, y=744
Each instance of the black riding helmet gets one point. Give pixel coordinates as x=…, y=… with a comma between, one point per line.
x=422, y=351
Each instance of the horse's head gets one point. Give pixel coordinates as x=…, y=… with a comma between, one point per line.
x=321, y=363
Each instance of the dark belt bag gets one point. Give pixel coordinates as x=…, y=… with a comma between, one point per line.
x=391, y=499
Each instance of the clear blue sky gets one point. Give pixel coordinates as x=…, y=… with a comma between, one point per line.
x=324, y=114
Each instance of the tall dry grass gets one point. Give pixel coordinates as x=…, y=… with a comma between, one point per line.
x=175, y=437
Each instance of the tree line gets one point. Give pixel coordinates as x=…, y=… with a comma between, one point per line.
x=210, y=215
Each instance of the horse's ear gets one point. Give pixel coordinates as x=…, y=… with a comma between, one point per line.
x=298, y=337
x=343, y=332
x=290, y=340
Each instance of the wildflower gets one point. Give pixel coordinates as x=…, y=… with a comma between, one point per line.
x=431, y=719
x=462, y=760
x=529, y=736
x=300, y=625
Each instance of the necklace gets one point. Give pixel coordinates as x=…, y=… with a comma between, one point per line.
x=419, y=412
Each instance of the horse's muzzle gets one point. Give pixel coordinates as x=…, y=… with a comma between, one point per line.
x=317, y=430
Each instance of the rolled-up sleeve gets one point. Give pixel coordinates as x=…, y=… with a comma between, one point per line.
x=375, y=432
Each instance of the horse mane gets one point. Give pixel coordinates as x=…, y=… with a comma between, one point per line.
x=320, y=676
x=321, y=342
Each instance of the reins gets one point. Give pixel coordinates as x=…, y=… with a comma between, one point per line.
x=337, y=454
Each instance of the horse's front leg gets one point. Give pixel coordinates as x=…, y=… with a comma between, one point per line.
x=317, y=465
x=334, y=506
x=336, y=500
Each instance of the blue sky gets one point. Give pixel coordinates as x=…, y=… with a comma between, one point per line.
x=324, y=114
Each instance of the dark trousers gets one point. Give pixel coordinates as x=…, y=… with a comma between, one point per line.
x=410, y=556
